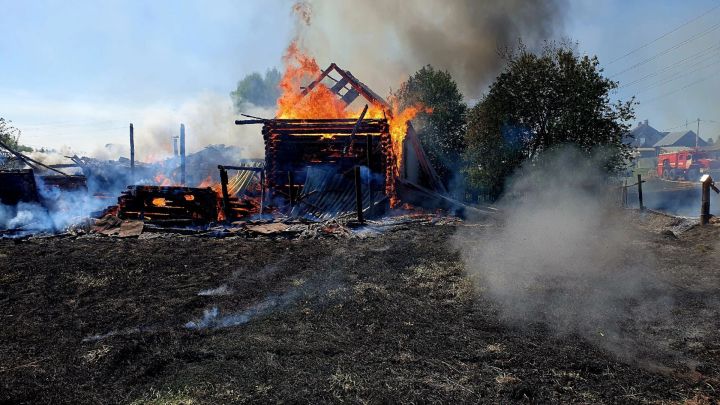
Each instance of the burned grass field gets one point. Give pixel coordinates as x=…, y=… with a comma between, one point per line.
x=185, y=319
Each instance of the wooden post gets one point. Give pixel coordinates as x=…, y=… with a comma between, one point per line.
x=182, y=154
x=369, y=166
x=707, y=185
x=640, y=196
x=132, y=154
x=369, y=152
x=624, y=195
x=262, y=188
x=705, y=204
x=291, y=188
x=358, y=194
x=225, y=195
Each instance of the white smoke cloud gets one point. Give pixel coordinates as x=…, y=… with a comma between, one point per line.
x=566, y=257
x=209, y=119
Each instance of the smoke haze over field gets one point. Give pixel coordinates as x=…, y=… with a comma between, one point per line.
x=566, y=257
x=387, y=40
x=209, y=119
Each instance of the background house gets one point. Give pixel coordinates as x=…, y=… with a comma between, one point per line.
x=643, y=136
x=679, y=140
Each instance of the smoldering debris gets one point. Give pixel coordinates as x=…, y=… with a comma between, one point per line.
x=69, y=209
x=213, y=319
x=566, y=258
x=221, y=290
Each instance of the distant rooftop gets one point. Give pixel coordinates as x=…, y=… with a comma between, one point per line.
x=680, y=138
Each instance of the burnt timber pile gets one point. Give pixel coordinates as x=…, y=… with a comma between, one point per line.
x=168, y=204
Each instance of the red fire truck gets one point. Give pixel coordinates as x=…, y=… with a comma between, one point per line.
x=685, y=165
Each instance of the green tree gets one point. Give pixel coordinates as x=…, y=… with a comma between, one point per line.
x=257, y=90
x=10, y=136
x=541, y=101
x=441, y=132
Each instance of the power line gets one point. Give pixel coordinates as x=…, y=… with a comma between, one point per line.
x=712, y=48
x=687, y=123
x=678, y=90
x=679, y=126
x=665, y=34
x=676, y=76
x=668, y=50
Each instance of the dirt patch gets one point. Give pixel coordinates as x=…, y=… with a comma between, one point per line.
x=391, y=318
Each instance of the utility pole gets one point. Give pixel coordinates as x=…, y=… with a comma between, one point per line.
x=697, y=135
x=182, y=154
x=132, y=153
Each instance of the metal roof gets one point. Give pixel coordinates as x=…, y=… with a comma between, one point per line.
x=672, y=138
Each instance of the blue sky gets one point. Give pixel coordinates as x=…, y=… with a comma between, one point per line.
x=76, y=72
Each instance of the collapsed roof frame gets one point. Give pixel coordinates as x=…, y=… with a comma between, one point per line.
x=359, y=88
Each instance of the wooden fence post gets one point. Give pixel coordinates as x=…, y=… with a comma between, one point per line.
x=640, y=196
x=358, y=194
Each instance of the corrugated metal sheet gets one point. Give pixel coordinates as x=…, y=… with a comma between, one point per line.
x=328, y=194
x=242, y=179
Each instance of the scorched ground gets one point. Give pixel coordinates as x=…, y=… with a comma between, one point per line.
x=389, y=318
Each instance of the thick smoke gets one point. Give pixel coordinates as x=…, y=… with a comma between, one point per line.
x=390, y=39
x=565, y=257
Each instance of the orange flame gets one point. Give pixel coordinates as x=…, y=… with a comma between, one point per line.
x=208, y=182
x=320, y=102
x=162, y=180
x=159, y=202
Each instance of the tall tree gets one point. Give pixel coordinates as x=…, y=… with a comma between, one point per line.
x=540, y=101
x=257, y=90
x=441, y=132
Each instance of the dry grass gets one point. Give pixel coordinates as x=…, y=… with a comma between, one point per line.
x=504, y=379
x=93, y=356
x=495, y=348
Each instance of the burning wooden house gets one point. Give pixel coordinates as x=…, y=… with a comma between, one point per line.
x=329, y=166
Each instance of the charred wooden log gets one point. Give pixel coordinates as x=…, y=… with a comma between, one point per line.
x=157, y=203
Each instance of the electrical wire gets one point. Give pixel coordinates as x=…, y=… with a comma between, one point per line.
x=712, y=49
x=665, y=34
x=678, y=90
x=678, y=75
x=668, y=50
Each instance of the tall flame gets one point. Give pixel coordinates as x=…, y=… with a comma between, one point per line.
x=296, y=101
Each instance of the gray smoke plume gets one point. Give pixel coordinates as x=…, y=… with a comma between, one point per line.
x=387, y=40
x=565, y=257
x=209, y=119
